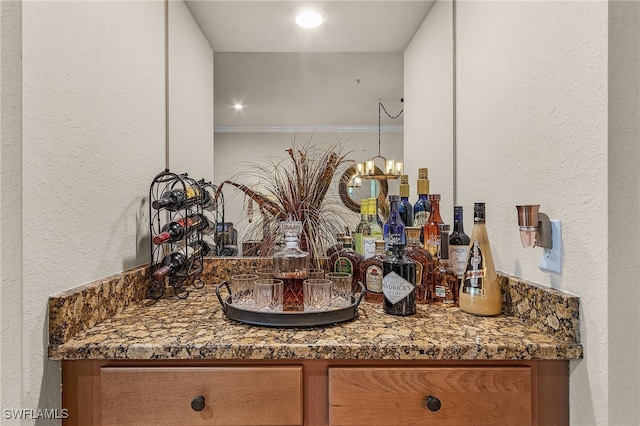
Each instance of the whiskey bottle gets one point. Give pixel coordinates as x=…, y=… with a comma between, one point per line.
x=347, y=260
x=291, y=266
x=405, y=207
x=431, y=229
x=445, y=279
x=422, y=207
x=480, y=293
x=458, y=244
x=371, y=232
x=398, y=283
x=424, y=264
x=371, y=273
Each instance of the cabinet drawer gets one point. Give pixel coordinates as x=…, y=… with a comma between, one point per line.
x=398, y=396
x=232, y=395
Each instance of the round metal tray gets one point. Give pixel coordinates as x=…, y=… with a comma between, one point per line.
x=289, y=318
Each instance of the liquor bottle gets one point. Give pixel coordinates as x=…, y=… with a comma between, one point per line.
x=177, y=198
x=357, y=236
x=375, y=209
x=445, y=279
x=458, y=244
x=424, y=264
x=393, y=230
x=431, y=230
x=371, y=232
x=177, y=261
x=480, y=293
x=371, y=273
x=291, y=266
x=398, y=283
x=422, y=207
x=405, y=207
x=174, y=231
x=347, y=260
x=337, y=246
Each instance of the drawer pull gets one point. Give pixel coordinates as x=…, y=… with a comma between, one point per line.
x=432, y=403
x=197, y=403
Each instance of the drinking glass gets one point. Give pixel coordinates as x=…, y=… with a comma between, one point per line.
x=317, y=294
x=264, y=273
x=315, y=273
x=242, y=287
x=341, y=289
x=268, y=295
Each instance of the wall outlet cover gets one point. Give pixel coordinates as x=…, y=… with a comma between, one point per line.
x=551, y=260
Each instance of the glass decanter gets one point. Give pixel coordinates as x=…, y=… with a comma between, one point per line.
x=291, y=266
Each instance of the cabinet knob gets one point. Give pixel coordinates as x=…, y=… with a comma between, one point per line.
x=432, y=403
x=197, y=403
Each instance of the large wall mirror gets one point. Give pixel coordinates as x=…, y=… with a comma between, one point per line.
x=293, y=83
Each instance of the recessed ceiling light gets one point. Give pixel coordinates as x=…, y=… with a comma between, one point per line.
x=238, y=106
x=310, y=17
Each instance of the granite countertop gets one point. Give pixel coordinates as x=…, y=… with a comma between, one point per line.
x=537, y=323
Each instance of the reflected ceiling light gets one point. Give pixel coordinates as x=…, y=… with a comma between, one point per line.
x=309, y=17
x=238, y=107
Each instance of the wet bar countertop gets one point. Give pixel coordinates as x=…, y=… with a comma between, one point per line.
x=112, y=319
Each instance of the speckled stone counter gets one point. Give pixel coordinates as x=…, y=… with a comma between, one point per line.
x=537, y=323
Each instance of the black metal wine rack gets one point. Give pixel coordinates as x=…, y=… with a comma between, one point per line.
x=189, y=274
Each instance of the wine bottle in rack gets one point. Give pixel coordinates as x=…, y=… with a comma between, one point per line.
x=175, y=199
x=178, y=260
x=175, y=231
x=209, y=201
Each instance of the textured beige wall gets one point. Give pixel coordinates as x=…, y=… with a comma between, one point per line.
x=532, y=129
x=190, y=96
x=93, y=138
x=428, y=91
x=532, y=111
x=10, y=204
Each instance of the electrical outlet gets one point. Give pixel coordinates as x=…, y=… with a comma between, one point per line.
x=551, y=260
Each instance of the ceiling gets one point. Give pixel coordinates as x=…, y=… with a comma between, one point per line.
x=288, y=76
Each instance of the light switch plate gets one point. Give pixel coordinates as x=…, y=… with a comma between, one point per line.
x=551, y=260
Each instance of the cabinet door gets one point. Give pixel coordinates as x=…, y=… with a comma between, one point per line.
x=430, y=396
x=170, y=396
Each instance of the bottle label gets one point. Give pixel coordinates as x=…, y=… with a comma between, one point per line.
x=395, y=288
x=458, y=258
x=419, y=268
x=368, y=247
x=358, y=242
x=373, y=279
x=441, y=291
x=393, y=240
x=475, y=271
x=421, y=218
x=342, y=264
x=191, y=192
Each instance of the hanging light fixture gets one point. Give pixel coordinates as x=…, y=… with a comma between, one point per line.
x=391, y=169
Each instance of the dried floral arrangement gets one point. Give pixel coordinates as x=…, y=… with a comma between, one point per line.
x=295, y=187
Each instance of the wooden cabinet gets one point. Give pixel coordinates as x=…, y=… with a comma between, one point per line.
x=430, y=396
x=201, y=395
x=316, y=392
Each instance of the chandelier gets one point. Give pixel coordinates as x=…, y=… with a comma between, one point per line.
x=391, y=169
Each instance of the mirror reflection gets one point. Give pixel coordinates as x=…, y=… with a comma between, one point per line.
x=276, y=83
